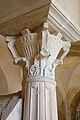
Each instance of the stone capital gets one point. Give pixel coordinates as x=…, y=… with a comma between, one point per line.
x=38, y=52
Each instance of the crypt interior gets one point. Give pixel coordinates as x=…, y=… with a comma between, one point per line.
x=59, y=16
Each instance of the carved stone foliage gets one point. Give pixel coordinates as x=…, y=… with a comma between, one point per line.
x=39, y=51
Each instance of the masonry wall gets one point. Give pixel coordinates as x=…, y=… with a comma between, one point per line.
x=10, y=74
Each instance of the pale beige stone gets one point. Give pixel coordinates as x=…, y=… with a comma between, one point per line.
x=16, y=113
x=39, y=53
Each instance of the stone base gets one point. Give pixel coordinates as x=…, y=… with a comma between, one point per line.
x=16, y=113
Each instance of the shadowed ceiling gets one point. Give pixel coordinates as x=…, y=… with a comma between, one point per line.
x=16, y=15
x=75, y=49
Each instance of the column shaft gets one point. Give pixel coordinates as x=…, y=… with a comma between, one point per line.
x=40, y=99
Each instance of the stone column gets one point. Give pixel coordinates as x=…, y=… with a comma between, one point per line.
x=37, y=54
x=40, y=99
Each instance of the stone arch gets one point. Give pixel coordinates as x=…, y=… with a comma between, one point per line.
x=3, y=83
x=74, y=104
x=61, y=105
x=61, y=98
x=75, y=78
x=11, y=72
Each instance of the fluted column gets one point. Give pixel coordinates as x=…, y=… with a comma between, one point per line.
x=37, y=54
x=40, y=99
